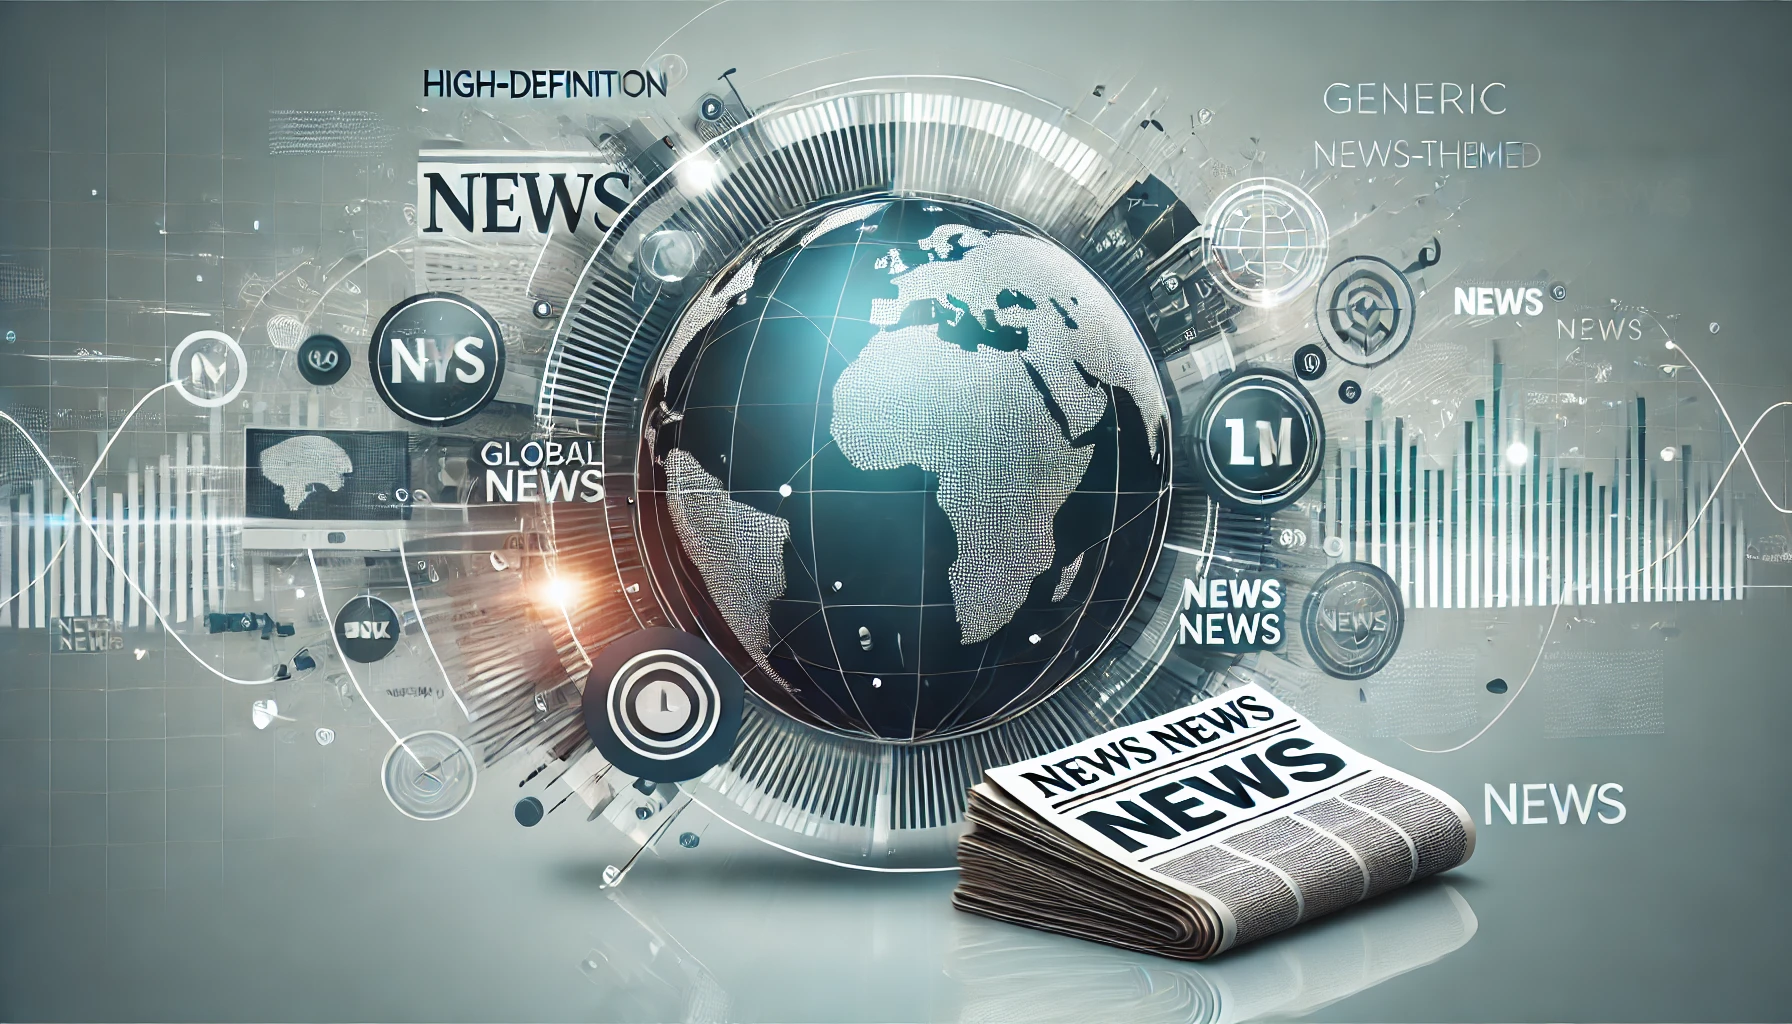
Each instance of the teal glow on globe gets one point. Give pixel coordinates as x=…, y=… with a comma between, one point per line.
x=905, y=462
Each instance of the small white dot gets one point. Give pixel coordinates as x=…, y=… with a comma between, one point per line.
x=258, y=225
x=784, y=490
x=96, y=191
x=838, y=584
x=198, y=277
x=876, y=683
x=301, y=592
x=1518, y=453
x=1033, y=639
x=1667, y=454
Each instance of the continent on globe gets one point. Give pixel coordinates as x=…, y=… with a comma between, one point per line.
x=738, y=550
x=1004, y=465
x=905, y=461
x=977, y=419
x=298, y=464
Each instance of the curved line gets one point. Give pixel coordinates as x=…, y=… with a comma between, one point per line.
x=1538, y=660
x=97, y=462
x=1742, y=443
x=100, y=544
x=1741, y=453
x=404, y=561
x=681, y=28
x=548, y=396
x=315, y=306
x=336, y=642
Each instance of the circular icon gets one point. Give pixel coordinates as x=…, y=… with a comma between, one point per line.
x=1496, y=686
x=436, y=359
x=710, y=109
x=1266, y=241
x=1365, y=310
x=366, y=629
x=1334, y=546
x=543, y=309
x=672, y=68
x=1309, y=362
x=529, y=811
x=1260, y=440
x=663, y=705
x=669, y=254
x=1350, y=391
x=323, y=360
x=325, y=736
x=208, y=369
x=1352, y=620
x=1558, y=291
x=429, y=775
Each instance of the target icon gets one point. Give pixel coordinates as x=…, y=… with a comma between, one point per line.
x=663, y=705
x=1365, y=310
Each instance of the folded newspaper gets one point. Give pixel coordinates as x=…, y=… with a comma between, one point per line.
x=1200, y=830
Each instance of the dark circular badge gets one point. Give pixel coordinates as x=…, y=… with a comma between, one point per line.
x=323, y=360
x=1365, y=310
x=1352, y=620
x=436, y=359
x=663, y=705
x=1260, y=441
x=367, y=629
x=1309, y=362
x=1350, y=392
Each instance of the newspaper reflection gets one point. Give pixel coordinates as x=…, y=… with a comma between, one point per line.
x=1008, y=973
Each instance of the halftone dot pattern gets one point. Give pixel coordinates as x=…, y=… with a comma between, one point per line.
x=737, y=549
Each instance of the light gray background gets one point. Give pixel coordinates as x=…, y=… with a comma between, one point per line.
x=160, y=859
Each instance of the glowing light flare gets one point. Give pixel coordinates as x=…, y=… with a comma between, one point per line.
x=562, y=592
x=697, y=174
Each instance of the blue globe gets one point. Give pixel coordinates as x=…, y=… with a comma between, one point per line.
x=904, y=461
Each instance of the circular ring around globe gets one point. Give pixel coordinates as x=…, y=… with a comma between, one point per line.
x=902, y=463
x=1266, y=241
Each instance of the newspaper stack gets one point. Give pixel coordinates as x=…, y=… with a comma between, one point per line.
x=1200, y=830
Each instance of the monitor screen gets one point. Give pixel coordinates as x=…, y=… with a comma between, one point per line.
x=327, y=474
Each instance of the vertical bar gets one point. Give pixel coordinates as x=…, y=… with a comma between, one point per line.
x=40, y=611
x=1398, y=534
x=1496, y=467
x=196, y=554
x=6, y=541
x=1383, y=544
x=117, y=563
x=80, y=554
x=133, y=490
x=165, y=527
x=182, y=557
x=66, y=540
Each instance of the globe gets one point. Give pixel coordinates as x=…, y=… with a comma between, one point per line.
x=905, y=462
x=1266, y=241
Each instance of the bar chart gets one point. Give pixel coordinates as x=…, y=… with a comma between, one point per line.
x=162, y=523
x=1509, y=522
